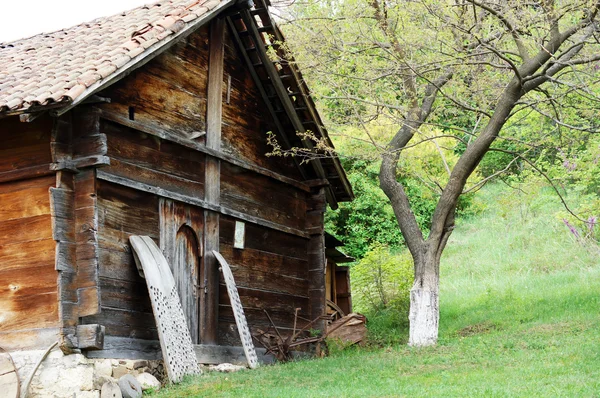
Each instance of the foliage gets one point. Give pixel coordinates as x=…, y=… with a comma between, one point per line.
x=369, y=220
x=366, y=221
x=382, y=280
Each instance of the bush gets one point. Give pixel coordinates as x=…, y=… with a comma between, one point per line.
x=381, y=284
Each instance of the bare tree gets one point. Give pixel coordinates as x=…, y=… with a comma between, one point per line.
x=409, y=61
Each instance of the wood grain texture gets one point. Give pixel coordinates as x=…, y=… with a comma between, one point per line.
x=181, y=229
x=266, y=239
x=28, y=279
x=246, y=121
x=124, y=300
x=24, y=145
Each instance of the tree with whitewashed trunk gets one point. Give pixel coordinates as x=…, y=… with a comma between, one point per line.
x=397, y=74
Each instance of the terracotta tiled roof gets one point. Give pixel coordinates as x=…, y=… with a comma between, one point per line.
x=62, y=66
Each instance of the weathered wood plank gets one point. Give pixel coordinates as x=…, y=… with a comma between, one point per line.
x=157, y=103
x=28, y=312
x=25, y=229
x=117, y=265
x=233, y=159
x=26, y=173
x=127, y=348
x=257, y=319
x=261, y=300
x=24, y=157
x=155, y=180
x=271, y=281
x=262, y=261
x=37, y=253
x=266, y=239
x=28, y=280
x=109, y=177
x=126, y=323
x=90, y=337
x=125, y=295
x=127, y=144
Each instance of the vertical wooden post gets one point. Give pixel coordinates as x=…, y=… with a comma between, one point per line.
x=76, y=144
x=209, y=311
x=316, y=254
x=63, y=221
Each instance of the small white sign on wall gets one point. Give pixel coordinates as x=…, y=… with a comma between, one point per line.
x=240, y=235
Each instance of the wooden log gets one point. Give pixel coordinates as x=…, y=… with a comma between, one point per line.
x=262, y=261
x=186, y=142
x=26, y=173
x=127, y=144
x=266, y=300
x=28, y=312
x=25, y=229
x=37, y=253
x=90, y=337
x=125, y=323
x=266, y=239
x=125, y=295
x=127, y=348
x=28, y=280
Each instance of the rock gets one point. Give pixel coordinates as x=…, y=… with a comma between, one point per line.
x=119, y=371
x=103, y=368
x=227, y=368
x=100, y=380
x=140, y=364
x=130, y=387
x=87, y=394
x=148, y=381
x=110, y=390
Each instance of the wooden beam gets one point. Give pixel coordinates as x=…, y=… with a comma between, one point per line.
x=107, y=176
x=212, y=182
x=262, y=91
x=28, y=172
x=316, y=255
x=90, y=337
x=127, y=348
x=120, y=119
x=282, y=93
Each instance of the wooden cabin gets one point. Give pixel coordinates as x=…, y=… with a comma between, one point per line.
x=155, y=122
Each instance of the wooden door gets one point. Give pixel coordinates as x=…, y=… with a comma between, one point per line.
x=181, y=229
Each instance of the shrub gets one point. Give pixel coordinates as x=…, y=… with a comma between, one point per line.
x=381, y=284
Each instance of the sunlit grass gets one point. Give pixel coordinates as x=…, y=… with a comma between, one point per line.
x=520, y=316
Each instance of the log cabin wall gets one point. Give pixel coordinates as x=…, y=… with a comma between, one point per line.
x=28, y=300
x=154, y=126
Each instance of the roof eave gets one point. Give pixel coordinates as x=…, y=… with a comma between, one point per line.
x=143, y=58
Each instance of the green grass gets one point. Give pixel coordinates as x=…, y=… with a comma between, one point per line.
x=520, y=316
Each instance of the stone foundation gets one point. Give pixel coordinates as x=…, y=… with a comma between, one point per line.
x=75, y=375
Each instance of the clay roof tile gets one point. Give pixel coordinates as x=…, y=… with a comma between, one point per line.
x=61, y=65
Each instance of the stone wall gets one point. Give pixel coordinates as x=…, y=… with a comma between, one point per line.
x=75, y=375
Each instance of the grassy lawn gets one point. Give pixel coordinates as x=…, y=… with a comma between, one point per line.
x=520, y=316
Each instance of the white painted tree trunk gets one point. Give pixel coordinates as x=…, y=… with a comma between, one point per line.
x=424, y=314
